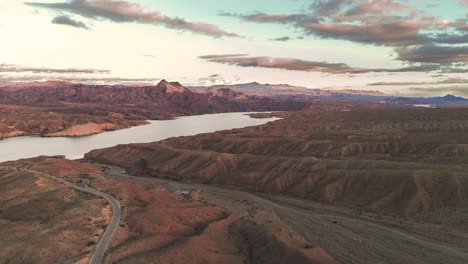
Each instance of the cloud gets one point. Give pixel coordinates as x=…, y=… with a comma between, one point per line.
x=209, y=57
x=121, y=11
x=328, y=7
x=445, y=81
x=68, y=21
x=10, y=68
x=454, y=70
x=276, y=18
x=101, y=80
x=216, y=79
x=281, y=39
x=397, y=83
x=446, y=38
x=356, y=25
x=394, y=33
x=281, y=63
x=291, y=64
x=388, y=23
x=454, y=80
x=433, y=54
x=461, y=24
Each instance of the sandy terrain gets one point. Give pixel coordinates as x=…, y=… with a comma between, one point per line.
x=84, y=130
x=44, y=221
x=60, y=120
x=326, y=234
x=161, y=222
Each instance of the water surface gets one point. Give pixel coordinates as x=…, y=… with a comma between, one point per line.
x=75, y=148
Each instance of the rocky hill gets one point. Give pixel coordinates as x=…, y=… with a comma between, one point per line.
x=168, y=96
x=56, y=108
x=402, y=162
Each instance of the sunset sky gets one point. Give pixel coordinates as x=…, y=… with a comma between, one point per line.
x=418, y=47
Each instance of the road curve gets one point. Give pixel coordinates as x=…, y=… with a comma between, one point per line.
x=293, y=213
x=99, y=251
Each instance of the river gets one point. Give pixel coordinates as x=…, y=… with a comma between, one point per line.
x=75, y=148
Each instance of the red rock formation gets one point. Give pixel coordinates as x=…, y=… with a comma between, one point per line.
x=57, y=106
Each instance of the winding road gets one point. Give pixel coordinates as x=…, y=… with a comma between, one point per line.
x=349, y=237
x=99, y=251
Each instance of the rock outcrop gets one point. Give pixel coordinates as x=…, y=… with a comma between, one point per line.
x=56, y=108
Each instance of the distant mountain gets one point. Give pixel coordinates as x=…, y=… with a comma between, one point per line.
x=157, y=101
x=448, y=99
x=226, y=93
x=286, y=90
x=255, y=88
x=304, y=93
x=18, y=86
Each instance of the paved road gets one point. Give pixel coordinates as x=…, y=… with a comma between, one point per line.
x=373, y=240
x=100, y=249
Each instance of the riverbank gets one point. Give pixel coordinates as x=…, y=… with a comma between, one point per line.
x=75, y=147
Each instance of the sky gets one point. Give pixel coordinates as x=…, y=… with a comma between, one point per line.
x=396, y=46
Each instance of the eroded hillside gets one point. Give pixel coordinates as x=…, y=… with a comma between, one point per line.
x=161, y=222
x=400, y=162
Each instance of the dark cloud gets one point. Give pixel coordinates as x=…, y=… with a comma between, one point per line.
x=281, y=39
x=9, y=68
x=123, y=11
x=307, y=66
x=461, y=24
x=414, y=68
x=390, y=34
x=277, y=18
x=209, y=57
x=362, y=24
x=282, y=63
x=387, y=23
x=328, y=7
x=68, y=21
x=447, y=38
x=433, y=54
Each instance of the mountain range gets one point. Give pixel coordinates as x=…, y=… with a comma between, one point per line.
x=290, y=91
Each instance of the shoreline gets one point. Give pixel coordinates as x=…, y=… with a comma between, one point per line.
x=117, y=127
x=105, y=127
x=76, y=147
